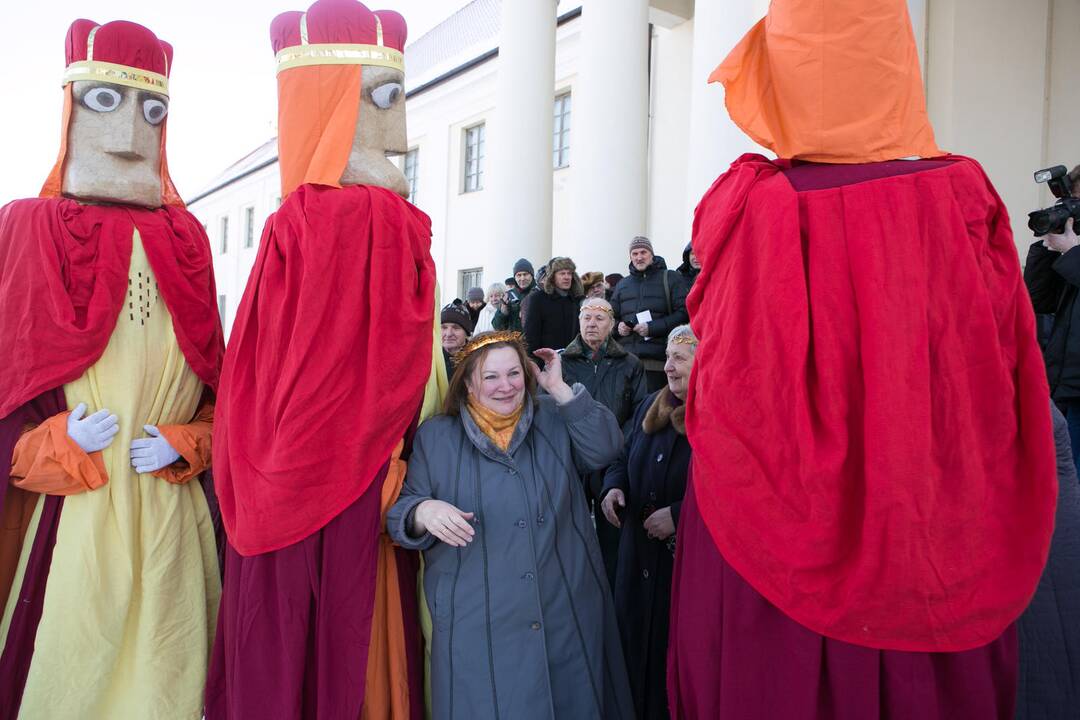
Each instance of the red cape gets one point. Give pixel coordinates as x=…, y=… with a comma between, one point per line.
x=64, y=279
x=873, y=451
x=327, y=362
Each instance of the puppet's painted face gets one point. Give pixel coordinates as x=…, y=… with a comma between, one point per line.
x=380, y=132
x=114, y=144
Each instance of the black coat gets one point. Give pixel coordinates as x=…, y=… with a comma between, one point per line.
x=1053, y=280
x=617, y=381
x=1049, y=630
x=551, y=320
x=652, y=473
x=644, y=290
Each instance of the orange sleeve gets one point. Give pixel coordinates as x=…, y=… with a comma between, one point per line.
x=192, y=441
x=47, y=461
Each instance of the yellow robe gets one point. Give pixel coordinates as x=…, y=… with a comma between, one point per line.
x=133, y=590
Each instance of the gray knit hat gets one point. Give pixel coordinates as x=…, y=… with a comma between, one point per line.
x=475, y=295
x=523, y=265
x=641, y=242
x=455, y=312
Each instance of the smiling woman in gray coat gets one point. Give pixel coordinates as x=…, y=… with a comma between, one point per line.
x=523, y=624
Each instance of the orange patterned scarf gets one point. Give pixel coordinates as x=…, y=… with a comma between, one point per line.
x=500, y=428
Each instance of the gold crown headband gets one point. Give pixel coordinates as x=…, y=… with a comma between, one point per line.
x=307, y=53
x=594, y=304
x=101, y=71
x=485, y=339
x=685, y=339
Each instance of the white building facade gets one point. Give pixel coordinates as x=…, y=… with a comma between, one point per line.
x=540, y=128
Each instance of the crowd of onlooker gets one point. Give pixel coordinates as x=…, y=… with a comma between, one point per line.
x=626, y=341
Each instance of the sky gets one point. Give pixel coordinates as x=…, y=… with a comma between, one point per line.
x=223, y=95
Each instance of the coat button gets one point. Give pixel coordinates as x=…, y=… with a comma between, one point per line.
x=527, y=576
x=521, y=523
x=535, y=626
x=645, y=574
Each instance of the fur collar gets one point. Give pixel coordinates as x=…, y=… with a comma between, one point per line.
x=665, y=410
x=577, y=348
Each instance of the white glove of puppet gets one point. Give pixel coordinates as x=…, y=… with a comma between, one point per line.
x=93, y=433
x=152, y=453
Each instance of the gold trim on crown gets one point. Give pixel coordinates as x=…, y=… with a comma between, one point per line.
x=339, y=54
x=485, y=339
x=126, y=75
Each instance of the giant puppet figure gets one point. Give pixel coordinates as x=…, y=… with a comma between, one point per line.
x=874, y=477
x=329, y=366
x=108, y=561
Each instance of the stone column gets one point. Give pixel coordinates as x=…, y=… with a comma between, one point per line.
x=714, y=140
x=609, y=135
x=520, y=137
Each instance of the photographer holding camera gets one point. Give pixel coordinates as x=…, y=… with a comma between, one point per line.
x=1052, y=276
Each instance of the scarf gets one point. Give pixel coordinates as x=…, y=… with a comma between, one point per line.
x=499, y=428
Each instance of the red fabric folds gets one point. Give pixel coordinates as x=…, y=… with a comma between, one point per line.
x=868, y=410
x=327, y=362
x=65, y=279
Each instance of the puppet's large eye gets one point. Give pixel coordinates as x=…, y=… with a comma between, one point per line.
x=385, y=95
x=154, y=110
x=102, y=99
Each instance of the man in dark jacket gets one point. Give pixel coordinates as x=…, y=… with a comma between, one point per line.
x=614, y=378
x=551, y=316
x=456, y=328
x=690, y=267
x=509, y=315
x=1052, y=276
x=649, y=303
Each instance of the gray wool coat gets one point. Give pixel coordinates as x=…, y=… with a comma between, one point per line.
x=523, y=622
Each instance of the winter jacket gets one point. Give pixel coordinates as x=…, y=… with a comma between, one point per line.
x=617, y=380
x=689, y=272
x=1049, y=630
x=551, y=316
x=485, y=322
x=652, y=473
x=512, y=320
x=522, y=620
x=644, y=290
x=1053, y=281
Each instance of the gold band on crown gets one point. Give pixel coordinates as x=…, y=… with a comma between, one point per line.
x=685, y=339
x=126, y=75
x=485, y=339
x=306, y=53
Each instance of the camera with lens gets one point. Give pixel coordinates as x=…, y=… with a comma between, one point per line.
x=1052, y=219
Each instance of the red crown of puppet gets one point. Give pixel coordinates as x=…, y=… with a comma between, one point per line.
x=119, y=52
x=339, y=32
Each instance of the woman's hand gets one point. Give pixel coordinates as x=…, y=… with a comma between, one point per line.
x=444, y=521
x=550, y=378
x=660, y=525
x=612, y=504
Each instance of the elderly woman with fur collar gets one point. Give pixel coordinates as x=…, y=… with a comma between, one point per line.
x=642, y=494
x=523, y=623
x=551, y=316
x=613, y=377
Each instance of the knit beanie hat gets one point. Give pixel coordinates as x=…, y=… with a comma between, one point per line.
x=475, y=295
x=523, y=265
x=641, y=242
x=456, y=312
x=613, y=280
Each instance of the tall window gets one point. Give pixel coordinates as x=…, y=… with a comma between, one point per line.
x=277, y=202
x=474, y=158
x=560, y=153
x=224, y=234
x=411, y=168
x=221, y=308
x=249, y=227
x=469, y=279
